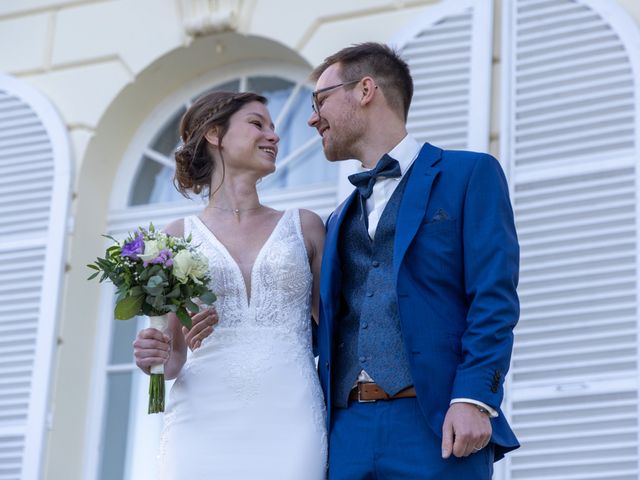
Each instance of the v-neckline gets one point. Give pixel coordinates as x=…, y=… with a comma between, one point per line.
x=247, y=297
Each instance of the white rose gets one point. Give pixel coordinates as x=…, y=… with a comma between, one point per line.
x=151, y=250
x=200, y=267
x=187, y=265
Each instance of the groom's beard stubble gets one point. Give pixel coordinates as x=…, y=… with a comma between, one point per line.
x=343, y=136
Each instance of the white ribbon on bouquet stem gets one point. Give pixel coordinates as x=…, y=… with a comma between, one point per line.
x=160, y=322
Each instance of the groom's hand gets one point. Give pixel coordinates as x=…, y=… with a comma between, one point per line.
x=202, y=324
x=466, y=430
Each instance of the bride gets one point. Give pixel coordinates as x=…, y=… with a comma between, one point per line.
x=247, y=402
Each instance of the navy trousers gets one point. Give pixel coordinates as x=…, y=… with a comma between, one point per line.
x=391, y=440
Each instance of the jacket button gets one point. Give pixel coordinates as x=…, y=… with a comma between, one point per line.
x=375, y=264
x=365, y=324
x=369, y=294
x=363, y=359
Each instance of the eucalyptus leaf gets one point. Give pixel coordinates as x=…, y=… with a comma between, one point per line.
x=153, y=271
x=175, y=293
x=153, y=290
x=208, y=298
x=159, y=302
x=192, y=307
x=155, y=281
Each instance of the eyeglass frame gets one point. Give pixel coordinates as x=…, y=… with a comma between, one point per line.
x=314, y=95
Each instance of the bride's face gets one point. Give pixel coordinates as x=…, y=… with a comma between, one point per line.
x=251, y=143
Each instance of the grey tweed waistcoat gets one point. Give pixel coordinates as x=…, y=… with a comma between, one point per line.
x=368, y=331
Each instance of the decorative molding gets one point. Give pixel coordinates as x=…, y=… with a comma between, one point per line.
x=204, y=17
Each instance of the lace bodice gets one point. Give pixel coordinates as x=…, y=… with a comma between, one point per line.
x=280, y=278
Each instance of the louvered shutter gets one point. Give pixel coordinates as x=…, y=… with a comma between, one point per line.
x=34, y=201
x=448, y=50
x=570, y=136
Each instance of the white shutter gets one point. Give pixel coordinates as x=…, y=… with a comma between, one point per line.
x=34, y=200
x=570, y=130
x=448, y=50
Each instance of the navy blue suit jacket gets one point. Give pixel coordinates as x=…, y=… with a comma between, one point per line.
x=455, y=264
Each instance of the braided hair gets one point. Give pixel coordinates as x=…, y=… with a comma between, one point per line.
x=194, y=165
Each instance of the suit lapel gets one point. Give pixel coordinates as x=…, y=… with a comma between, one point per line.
x=414, y=201
x=331, y=270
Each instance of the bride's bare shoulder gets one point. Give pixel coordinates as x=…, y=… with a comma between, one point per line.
x=175, y=228
x=312, y=225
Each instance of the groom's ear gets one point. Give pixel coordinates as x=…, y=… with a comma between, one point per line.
x=212, y=137
x=368, y=89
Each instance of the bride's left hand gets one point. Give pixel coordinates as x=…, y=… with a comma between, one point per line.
x=202, y=326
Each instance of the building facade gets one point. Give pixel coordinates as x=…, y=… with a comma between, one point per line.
x=91, y=93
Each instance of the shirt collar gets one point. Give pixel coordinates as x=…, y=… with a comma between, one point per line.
x=406, y=152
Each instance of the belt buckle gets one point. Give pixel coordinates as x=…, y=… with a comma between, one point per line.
x=360, y=400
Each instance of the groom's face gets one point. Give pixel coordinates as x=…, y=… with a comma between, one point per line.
x=336, y=117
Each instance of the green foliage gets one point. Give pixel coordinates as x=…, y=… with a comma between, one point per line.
x=184, y=317
x=128, y=307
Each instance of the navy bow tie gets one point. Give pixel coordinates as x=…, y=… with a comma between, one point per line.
x=364, y=181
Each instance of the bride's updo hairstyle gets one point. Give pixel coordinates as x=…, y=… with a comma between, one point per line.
x=194, y=164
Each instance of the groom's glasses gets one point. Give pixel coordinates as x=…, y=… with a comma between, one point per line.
x=315, y=104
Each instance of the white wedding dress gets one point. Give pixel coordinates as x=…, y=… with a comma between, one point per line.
x=247, y=403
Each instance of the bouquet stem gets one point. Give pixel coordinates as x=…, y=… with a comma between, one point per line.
x=156, y=393
x=156, y=380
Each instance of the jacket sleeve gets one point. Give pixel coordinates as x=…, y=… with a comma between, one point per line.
x=491, y=262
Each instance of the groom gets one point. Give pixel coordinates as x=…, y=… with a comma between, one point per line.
x=418, y=288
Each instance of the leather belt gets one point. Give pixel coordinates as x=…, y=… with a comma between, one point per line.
x=370, y=392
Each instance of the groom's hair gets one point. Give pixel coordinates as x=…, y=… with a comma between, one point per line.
x=380, y=62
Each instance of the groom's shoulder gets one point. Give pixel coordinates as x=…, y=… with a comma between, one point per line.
x=333, y=216
x=464, y=160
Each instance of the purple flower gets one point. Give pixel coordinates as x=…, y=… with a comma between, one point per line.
x=133, y=248
x=163, y=258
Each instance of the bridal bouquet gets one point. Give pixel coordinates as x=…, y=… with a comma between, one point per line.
x=155, y=274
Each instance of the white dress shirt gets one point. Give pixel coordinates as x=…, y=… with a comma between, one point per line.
x=405, y=153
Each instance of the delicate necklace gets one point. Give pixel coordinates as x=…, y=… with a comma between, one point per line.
x=237, y=211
